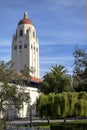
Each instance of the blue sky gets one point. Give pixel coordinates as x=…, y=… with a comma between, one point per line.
x=60, y=25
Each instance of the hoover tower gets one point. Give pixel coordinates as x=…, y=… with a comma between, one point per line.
x=25, y=47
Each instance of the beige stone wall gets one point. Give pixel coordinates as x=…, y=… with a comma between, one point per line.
x=29, y=56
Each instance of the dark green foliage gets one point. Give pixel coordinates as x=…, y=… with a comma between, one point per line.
x=68, y=126
x=62, y=104
x=44, y=87
x=80, y=70
x=10, y=94
x=72, y=125
x=56, y=81
x=3, y=122
x=82, y=86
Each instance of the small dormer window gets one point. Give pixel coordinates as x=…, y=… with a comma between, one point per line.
x=21, y=33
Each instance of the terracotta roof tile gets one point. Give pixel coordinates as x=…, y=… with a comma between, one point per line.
x=37, y=80
x=25, y=21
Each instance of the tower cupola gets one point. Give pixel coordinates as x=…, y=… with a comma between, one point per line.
x=25, y=20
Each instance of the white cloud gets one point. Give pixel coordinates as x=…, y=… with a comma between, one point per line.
x=63, y=37
x=55, y=60
x=68, y=2
x=5, y=50
x=5, y=58
x=47, y=62
x=5, y=43
x=45, y=69
x=67, y=42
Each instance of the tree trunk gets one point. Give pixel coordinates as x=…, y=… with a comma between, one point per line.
x=64, y=120
x=75, y=117
x=0, y=122
x=48, y=120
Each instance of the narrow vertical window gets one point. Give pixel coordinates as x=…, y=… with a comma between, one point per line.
x=20, y=46
x=34, y=34
x=31, y=46
x=27, y=31
x=34, y=47
x=21, y=33
x=37, y=49
x=15, y=47
x=25, y=45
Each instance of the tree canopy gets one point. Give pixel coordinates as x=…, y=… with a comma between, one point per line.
x=57, y=80
x=66, y=104
x=80, y=70
x=10, y=93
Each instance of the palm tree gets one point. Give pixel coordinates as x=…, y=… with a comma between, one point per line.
x=56, y=80
x=58, y=70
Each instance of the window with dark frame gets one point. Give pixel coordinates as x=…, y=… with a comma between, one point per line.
x=20, y=41
x=25, y=45
x=20, y=46
x=36, y=49
x=27, y=31
x=34, y=34
x=31, y=47
x=15, y=47
x=21, y=33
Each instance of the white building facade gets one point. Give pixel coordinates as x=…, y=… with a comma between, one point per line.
x=24, y=112
x=25, y=47
x=25, y=52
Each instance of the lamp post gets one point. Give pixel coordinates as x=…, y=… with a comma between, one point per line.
x=31, y=124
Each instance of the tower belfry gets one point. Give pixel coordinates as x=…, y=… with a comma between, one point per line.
x=25, y=47
x=26, y=15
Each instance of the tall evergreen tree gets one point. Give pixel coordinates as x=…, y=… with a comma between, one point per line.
x=80, y=70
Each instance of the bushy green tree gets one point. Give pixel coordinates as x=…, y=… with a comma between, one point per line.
x=10, y=94
x=56, y=81
x=41, y=105
x=62, y=104
x=80, y=70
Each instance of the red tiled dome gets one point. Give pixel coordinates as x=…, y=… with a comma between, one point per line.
x=25, y=21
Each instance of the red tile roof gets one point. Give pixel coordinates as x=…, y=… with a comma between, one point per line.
x=32, y=79
x=37, y=80
x=25, y=21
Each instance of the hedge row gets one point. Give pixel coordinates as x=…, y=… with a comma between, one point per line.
x=68, y=126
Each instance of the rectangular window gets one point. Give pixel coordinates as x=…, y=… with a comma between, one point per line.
x=20, y=41
x=20, y=46
x=21, y=33
x=15, y=47
x=34, y=47
x=37, y=49
x=27, y=31
x=31, y=46
x=34, y=34
x=25, y=45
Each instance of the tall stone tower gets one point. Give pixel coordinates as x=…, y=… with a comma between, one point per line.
x=25, y=47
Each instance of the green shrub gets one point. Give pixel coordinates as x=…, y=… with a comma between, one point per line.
x=69, y=126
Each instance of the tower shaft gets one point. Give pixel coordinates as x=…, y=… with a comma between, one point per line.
x=25, y=47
